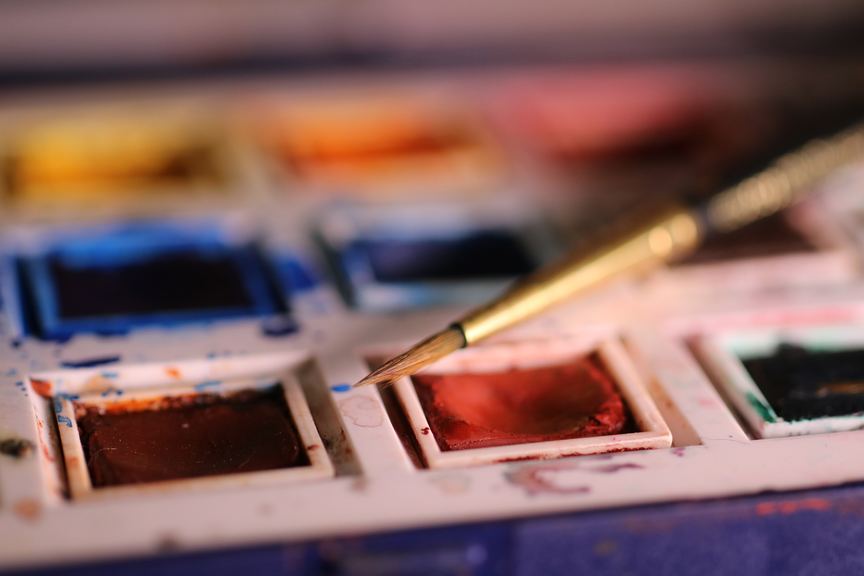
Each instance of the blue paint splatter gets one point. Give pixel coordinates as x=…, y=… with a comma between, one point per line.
x=15, y=343
x=278, y=326
x=11, y=372
x=64, y=420
x=58, y=404
x=90, y=362
x=207, y=384
x=110, y=391
x=341, y=388
x=109, y=374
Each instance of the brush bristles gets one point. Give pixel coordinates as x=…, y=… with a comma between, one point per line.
x=418, y=357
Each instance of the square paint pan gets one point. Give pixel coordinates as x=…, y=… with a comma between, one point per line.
x=800, y=247
x=591, y=117
x=98, y=159
x=115, y=278
x=484, y=406
x=239, y=433
x=420, y=256
x=376, y=145
x=790, y=381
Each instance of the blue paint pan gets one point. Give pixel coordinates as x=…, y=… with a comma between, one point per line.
x=143, y=274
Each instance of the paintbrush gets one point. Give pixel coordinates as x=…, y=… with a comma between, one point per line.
x=672, y=233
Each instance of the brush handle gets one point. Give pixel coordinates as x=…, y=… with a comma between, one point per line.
x=782, y=183
x=674, y=233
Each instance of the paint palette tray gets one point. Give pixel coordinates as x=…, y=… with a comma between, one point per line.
x=189, y=438
x=148, y=326
x=564, y=403
x=788, y=381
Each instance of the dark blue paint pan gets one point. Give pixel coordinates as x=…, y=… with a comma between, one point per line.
x=427, y=258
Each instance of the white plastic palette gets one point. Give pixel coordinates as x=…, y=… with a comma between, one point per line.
x=372, y=484
x=651, y=430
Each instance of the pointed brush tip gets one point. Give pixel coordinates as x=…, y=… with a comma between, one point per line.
x=415, y=358
x=365, y=381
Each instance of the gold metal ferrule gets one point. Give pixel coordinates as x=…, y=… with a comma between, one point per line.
x=673, y=234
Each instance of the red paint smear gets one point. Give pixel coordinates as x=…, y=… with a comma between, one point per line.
x=607, y=452
x=792, y=506
x=43, y=388
x=173, y=372
x=42, y=445
x=48, y=456
x=574, y=400
x=530, y=479
x=28, y=509
x=425, y=431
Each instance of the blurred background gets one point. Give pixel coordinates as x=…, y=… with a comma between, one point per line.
x=64, y=40
x=587, y=110
x=333, y=127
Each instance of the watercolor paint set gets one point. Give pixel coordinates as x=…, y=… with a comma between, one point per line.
x=188, y=294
